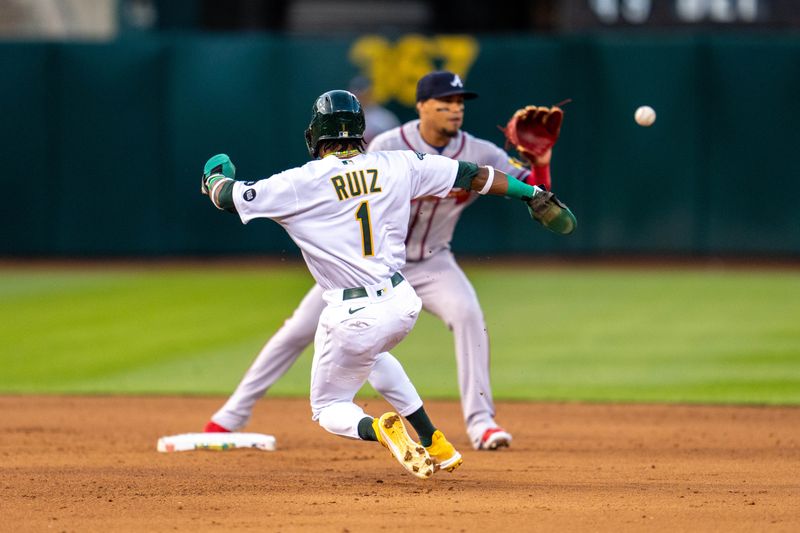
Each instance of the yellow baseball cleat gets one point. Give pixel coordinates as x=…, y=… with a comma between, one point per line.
x=392, y=434
x=444, y=455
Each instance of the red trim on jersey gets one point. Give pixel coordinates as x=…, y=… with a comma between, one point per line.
x=463, y=142
x=405, y=140
x=427, y=230
x=419, y=202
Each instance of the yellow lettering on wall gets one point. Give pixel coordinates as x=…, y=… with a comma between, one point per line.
x=395, y=68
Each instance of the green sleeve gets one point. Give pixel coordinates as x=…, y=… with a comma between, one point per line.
x=519, y=190
x=466, y=173
x=226, y=197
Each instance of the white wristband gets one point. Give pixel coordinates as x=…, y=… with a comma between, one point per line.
x=489, y=181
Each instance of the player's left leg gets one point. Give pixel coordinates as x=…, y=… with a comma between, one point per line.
x=447, y=293
x=351, y=336
x=350, y=339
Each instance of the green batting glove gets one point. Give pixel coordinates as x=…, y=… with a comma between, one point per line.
x=551, y=213
x=219, y=164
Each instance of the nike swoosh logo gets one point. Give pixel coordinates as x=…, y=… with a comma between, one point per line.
x=357, y=309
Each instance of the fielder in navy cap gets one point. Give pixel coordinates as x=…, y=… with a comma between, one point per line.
x=442, y=83
x=440, y=105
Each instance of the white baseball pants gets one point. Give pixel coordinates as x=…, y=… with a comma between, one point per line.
x=352, y=336
x=444, y=290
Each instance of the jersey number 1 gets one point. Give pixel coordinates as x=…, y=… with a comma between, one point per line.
x=362, y=215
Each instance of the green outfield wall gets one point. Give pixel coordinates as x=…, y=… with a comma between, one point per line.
x=103, y=144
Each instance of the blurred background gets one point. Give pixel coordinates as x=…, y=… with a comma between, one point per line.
x=111, y=107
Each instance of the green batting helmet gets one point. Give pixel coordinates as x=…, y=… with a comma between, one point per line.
x=335, y=115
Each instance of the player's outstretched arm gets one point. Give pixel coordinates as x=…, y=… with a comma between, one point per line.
x=543, y=205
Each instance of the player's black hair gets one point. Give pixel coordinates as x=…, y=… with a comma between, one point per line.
x=335, y=145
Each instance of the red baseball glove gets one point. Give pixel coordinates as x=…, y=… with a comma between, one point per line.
x=534, y=129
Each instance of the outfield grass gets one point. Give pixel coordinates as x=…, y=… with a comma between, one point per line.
x=596, y=334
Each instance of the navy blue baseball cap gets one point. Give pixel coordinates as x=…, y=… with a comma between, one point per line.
x=441, y=83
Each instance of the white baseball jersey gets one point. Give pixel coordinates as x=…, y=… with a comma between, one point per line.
x=432, y=221
x=348, y=216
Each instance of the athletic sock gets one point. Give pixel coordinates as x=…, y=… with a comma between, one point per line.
x=365, y=429
x=422, y=425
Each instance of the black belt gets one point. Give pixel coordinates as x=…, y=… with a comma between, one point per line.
x=361, y=292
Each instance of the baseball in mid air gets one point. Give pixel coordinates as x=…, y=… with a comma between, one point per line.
x=645, y=116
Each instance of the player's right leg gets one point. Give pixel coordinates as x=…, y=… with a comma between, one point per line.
x=274, y=360
x=447, y=293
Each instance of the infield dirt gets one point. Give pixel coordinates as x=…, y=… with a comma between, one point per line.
x=90, y=464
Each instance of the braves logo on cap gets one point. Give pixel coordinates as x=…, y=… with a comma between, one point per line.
x=440, y=84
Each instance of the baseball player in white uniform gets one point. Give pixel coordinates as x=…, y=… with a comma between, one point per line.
x=369, y=306
x=430, y=267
